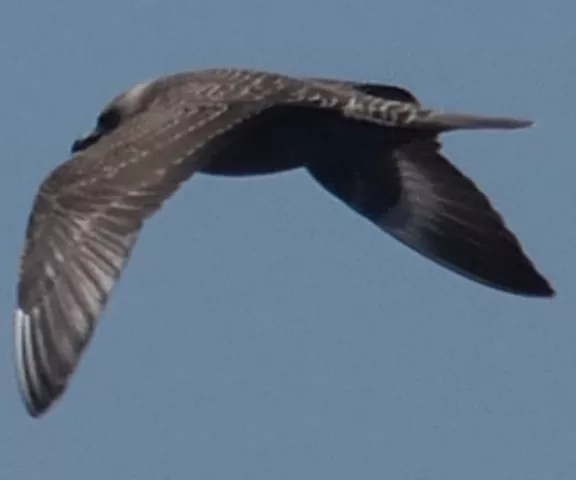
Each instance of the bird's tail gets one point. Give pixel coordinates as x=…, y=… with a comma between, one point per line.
x=412, y=115
x=447, y=121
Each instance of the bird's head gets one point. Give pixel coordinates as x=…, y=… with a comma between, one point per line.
x=115, y=113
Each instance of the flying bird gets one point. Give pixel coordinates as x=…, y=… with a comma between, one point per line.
x=373, y=146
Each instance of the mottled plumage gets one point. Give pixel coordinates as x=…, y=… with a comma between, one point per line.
x=372, y=146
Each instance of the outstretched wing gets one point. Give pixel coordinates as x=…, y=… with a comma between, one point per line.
x=73, y=258
x=416, y=195
x=85, y=221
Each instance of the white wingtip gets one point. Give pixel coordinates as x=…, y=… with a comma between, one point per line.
x=23, y=348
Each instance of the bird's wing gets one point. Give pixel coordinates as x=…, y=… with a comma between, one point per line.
x=85, y=221
x=416, y=195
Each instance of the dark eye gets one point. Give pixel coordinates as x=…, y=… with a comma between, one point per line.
x=108, y=120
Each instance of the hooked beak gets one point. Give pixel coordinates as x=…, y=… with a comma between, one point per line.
x=84, y=142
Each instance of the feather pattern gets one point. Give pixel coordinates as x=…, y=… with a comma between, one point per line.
x=371, y=145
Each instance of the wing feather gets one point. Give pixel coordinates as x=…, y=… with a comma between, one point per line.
x=84, y=224
x=416, y=195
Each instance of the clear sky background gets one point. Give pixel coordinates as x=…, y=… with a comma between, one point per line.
x=262, y=330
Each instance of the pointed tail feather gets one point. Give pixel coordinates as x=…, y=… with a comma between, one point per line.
x=447, y=121
x=395, y=113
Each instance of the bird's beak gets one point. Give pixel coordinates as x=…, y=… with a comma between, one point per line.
x=84, y=142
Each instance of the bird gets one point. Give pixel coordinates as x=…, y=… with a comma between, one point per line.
x=372, y=146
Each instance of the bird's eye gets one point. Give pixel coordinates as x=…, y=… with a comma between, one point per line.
x=108, y=120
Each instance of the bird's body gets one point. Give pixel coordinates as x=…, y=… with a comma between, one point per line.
x=372, y=146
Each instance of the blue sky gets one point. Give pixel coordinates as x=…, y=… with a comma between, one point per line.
x=264, y=331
